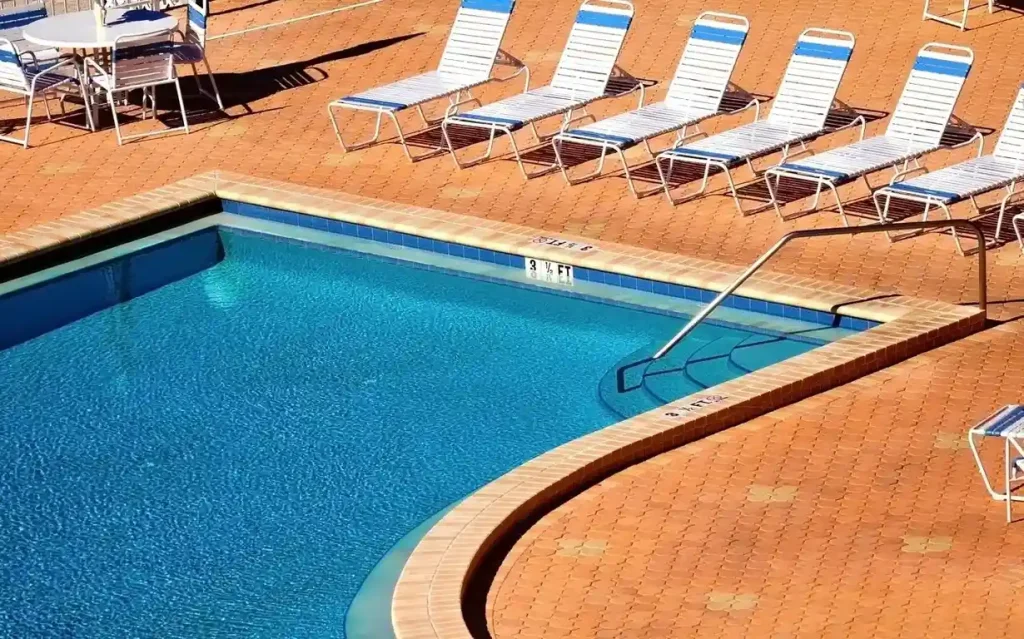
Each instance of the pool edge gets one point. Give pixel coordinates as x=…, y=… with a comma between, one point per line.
x=432, y=590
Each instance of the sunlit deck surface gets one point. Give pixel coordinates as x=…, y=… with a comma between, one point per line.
x=855, y=513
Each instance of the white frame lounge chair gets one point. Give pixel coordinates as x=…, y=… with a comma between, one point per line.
x=1006, y=423
x=798, y=113
x=581, y=77
x=966, y=180
x=961, y=23
x=695, y=94
x=915, y=129
x=467, y=62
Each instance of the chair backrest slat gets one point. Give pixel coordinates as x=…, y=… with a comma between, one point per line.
x=593, y=47
x=812, y=79
x=1010, y=145
x=708, y=61
x=927, y=101
x=475, y=38
x=143, y=60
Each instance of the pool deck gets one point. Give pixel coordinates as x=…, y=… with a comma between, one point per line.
x=856, y=512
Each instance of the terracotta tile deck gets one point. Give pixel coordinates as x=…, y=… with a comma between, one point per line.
x=856, y=513
x=813, y=521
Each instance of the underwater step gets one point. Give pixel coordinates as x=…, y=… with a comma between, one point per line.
x=690, y=367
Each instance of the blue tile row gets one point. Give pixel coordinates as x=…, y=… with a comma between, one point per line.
x=516, y=261
x=362, y=231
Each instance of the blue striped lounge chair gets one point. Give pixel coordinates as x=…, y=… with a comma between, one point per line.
x=581, y=78
x=915, y=129
x=798, y=113
x=694, y=95
x=1006, y=424
x=467, y=62
x=14, y=19
x=966, y=180
x=192, y=49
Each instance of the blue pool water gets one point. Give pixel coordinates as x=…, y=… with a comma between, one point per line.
x=229, y=455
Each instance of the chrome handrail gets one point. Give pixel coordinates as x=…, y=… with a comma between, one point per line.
x=853, y=230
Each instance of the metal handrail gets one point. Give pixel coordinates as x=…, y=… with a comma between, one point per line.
x=853, y=230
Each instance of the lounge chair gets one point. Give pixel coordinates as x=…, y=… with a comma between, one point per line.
x=581, y=78
x=695, y=95
x=966, y=180
x=466, y=63
x=915, y=129
x=798, y=114
x=1006, y=424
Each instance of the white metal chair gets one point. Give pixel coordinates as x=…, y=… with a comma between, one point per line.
x=581, y=77
x=192, y=49
x=143, y=63
x=798, y=114
x=915, y=129
x=467, y=62
x=961, y=23
x=966, y=180
x=30, y=79
x=694, y=95
x=1007, y=424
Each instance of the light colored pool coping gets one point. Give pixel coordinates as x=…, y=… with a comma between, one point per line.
x=429, y=597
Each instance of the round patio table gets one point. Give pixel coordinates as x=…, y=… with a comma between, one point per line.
x=78, y=31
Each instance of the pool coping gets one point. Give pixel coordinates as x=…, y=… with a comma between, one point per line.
x=430, y=595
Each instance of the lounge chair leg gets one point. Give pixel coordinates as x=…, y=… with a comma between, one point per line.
x=1018, y=229
x=357, y=145
x=839, y=203
x=625, y=170
x=773, y=193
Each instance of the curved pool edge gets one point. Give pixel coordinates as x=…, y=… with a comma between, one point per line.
x=431, y=593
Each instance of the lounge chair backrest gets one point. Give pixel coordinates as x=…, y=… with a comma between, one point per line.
x=12, y=74
x=926, y=104
x=16, y=18
x=1011, y=141
x=812, y=79
x=195, y=26
x=594, y=44
x=709, y=58
x=474, y=40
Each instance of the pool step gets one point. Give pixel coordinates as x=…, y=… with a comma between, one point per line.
x=691, y=367
x=635, y=399
x=759, y=351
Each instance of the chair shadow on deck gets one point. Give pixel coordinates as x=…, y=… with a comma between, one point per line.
x=237, y=89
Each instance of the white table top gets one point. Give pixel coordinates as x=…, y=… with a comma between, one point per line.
x=78, y=30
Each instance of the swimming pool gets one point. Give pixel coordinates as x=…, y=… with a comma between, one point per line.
x=230, y=453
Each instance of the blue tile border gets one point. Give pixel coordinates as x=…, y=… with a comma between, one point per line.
x=511, y=260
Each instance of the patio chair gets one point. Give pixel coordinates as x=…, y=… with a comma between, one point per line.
x=1007, y=424
x=798, y=114
x=581, y=78
x=467, y=62
x=694, y=95
x=966, y=180
x=20, y=75
x=192, y=49
x=961, y=23
x=915, y=129
x=142, y=62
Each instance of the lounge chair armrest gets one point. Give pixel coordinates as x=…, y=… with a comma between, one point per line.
x=901, y=175
x=754, y=102
x=977, y=137
x=522, y=70
x=857, y=121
